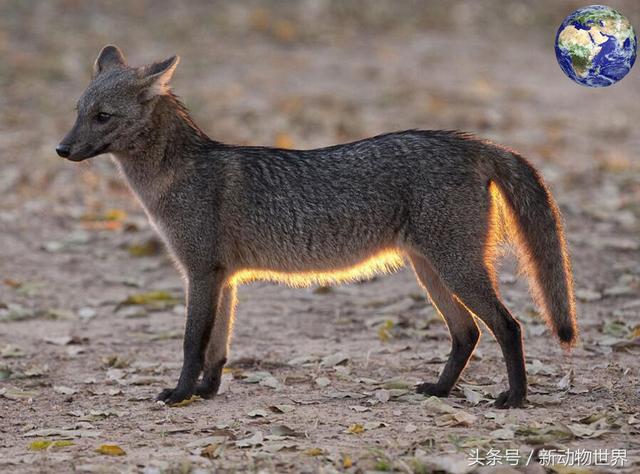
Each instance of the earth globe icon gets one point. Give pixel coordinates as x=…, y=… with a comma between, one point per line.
x=596, y=46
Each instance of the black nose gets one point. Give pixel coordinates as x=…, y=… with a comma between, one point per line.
x=63, y=150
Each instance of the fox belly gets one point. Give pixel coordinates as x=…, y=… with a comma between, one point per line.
x=384, y=261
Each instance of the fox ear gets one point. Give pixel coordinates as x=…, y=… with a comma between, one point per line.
x=110, y=57
x=156, y=77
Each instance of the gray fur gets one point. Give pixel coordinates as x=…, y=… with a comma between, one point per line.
x=223, y=209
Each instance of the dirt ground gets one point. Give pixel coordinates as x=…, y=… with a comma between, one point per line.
x=319, y=379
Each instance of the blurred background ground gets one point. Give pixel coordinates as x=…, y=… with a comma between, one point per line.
x=78, y=364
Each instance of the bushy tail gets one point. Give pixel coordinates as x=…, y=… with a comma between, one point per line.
x=534, y=222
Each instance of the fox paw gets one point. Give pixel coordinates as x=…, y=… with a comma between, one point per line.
x=207, y=389
x=171, y=396
x=508, y=400
x=432, y=389
x=210, y=383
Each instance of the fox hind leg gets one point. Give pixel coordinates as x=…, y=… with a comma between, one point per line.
x=218, y=347
x=459, y=251
x=478, y=294
x=462, y=327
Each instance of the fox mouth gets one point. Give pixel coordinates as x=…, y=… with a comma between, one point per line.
x=87, y=153
x=102, y=149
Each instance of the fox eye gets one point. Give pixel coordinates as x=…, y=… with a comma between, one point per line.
x=102, y=117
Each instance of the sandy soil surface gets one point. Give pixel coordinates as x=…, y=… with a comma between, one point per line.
x=319, y=380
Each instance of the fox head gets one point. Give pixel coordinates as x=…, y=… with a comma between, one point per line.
x=116, y=107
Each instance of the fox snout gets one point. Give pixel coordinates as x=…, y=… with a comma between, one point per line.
x=68, y=147
x=72, y=147
x=72, y=152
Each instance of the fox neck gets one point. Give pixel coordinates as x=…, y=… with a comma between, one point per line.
x=163, y=151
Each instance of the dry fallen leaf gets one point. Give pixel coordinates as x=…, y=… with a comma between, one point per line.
x=450, y=416
x=502, y=433
x=14, y=393
x=147, y=248
x=302, y=360
x=547, y=400
x=156, y=299
x=396, y=385
x=212, y=451
x=282, y=408
x=185, y=402
x=372, y=425
x=209, y=440
x=59, y=340
x=117, y=361
x=257, y=412
x=565, y=382
x=255, y=377
x=338, y=394
x=592, y=430
x=534, y=434
x=313, y=452
x=113, y=219
x=64, y=390
x=588, y=296
x=436, y=405
x=410, y=428
x=356, y=428
x=535, y=367
x=280, y=446
x=334, y=359
x=383, y=395
x=459, y=418
x=255, y=439
x=11, y=351
x=42, y=444
x=270, y=382
x=110, y=450
x=451, y=464
x=560, y=469
x=284, y=430
x=16, y=312
x=5, y=372
x=63, y=433
x=384, y=331
x=472, y=396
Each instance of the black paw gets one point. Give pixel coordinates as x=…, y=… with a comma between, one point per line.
x=207, y=389
x=509, y=400
x=210, y=383
x=432, y=389
x=171, y=396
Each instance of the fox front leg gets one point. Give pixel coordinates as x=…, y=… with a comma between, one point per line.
x=202, y=298
x=218, y=348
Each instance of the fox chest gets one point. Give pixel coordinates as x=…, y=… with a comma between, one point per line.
x=190, y=236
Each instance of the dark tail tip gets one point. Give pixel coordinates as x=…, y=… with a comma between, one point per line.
x=567, y=334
